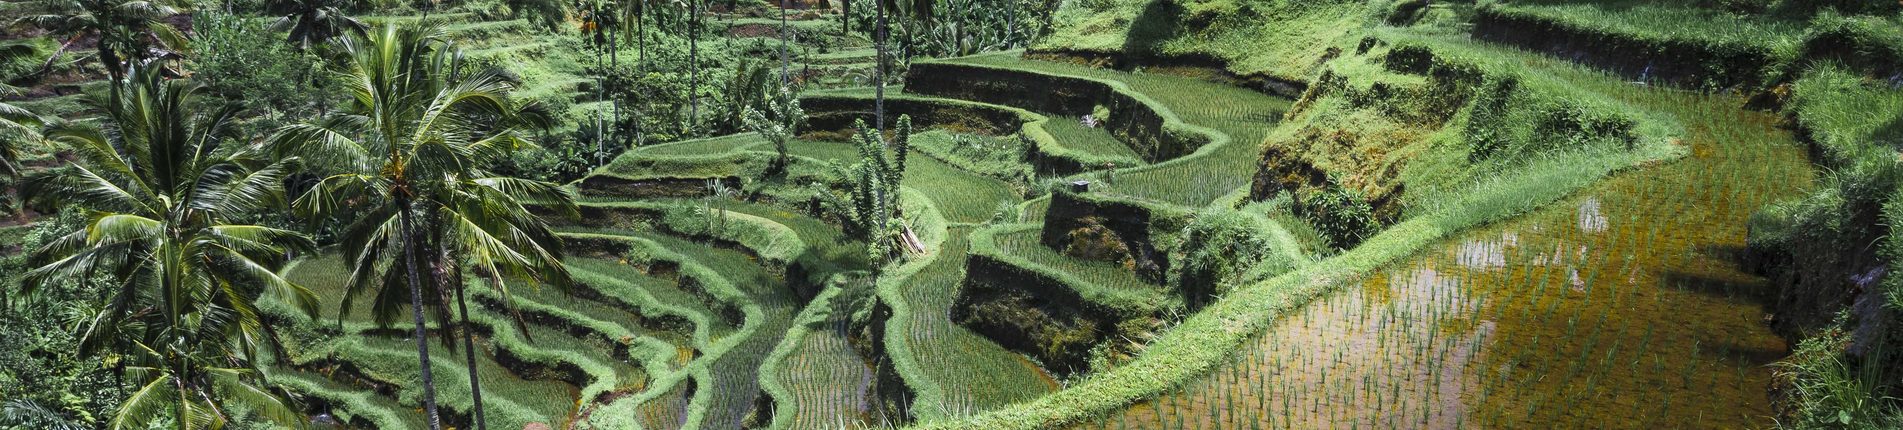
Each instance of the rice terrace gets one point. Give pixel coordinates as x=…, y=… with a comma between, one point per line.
x=951, y=214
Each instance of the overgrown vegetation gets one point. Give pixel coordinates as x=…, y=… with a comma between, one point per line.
x=750, y=214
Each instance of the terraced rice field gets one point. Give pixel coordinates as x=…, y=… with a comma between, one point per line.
x=1622, y=306
x=1245, y=116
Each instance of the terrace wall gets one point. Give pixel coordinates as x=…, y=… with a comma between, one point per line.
x=1132, y=223
x=1027, y=311
x=1131, y=119
x=1677, y=61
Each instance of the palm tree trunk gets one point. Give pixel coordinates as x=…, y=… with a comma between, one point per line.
x=878, y=71
x=785, y=62
x=614, y=94
x=469, y=352
x=693, y=66
x=416, y=314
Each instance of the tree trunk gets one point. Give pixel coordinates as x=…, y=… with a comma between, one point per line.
x=469, y=352
x=878, y=71
x=614, y=65
x=785, y=63
x=693, y=65
x=416, y=314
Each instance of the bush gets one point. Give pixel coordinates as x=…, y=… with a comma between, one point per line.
x=1218, y=248
x=240, y=59
x=1340, y=213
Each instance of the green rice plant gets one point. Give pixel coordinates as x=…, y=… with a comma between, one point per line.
x=348, y=404
x=1095, y=142
x=512, y=401
x=725, y=376
x=1000, y=157
x=704, y=146
x=817, y=379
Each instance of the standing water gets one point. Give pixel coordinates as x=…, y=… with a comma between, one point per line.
x=1622, y=306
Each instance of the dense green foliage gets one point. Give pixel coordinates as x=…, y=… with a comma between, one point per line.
x=1043, y=238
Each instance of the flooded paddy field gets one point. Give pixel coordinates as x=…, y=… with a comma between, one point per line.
x=1624, y=306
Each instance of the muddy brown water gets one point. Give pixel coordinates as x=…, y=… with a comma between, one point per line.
x=1623, y=306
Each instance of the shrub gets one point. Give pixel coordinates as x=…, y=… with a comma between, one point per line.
x=1218, y=248
x=242, y=60
x=1340, y=213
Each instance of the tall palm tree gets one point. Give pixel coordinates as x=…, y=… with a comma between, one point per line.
x=413, y=149
x=16, y=126
x=312, y=22
x=164, y=185
x=121, y=26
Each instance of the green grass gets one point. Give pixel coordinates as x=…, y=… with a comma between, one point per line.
x=1669, y=20
x=1000, y=157
x=326, y=275
x=726, y=377
x=954, y=371
x=1846, y=116
x=511, y=401
x=816, y=377
x=1095, y=141
x=711, y=145
x=1282, y=39
x=349, y=404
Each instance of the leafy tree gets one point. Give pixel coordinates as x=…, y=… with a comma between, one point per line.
x=313, y=22
x=122, y=27
x=875, y=216
x=238, y=58
x=417, y=141
x=163, y=185
x=779, y=124
x=16, y=126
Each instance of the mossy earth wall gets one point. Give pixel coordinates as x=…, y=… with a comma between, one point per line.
x=1131, y=115
x=1678, y=61
x=1045, y=313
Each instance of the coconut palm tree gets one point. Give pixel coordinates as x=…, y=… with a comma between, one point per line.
x=165, y=187
x=312, y=22
x=413, y=149
x=16, y=126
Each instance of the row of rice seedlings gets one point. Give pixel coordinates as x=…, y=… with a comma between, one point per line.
x=1115, y=276
x=1607, y=310
x=711, y=145
x=962, y=196
x=326, y=276
x=620, y=284
x=510, y=400
x=553, y=347
x=621, y=294
x=733, y=382
x=1093, y=139
x=1670, y=21
x=827, y=378
x=346, y=404
x=972, y=372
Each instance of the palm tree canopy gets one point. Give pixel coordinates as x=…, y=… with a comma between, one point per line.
x=423, y=130
x=163, y=184
x=312, y=22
